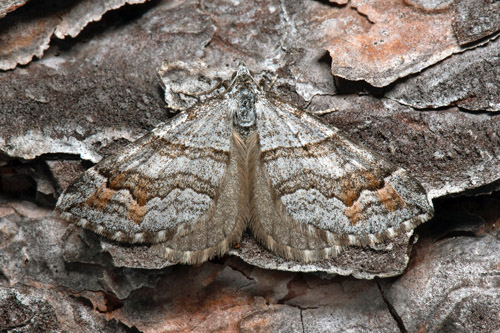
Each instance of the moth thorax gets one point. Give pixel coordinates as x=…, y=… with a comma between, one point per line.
x=244, y=116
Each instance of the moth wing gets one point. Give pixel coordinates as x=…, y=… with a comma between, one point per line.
x=177, y=186
x=315, y=191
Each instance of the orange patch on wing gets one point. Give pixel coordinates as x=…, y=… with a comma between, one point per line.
x=140, y=194
x=117, y=181
x=354, y=213
x=389, y=198
x=352, y=186
x=136, y=212
x=371, y=181
x=137, y=208
x=99, y=199
x=349, y=194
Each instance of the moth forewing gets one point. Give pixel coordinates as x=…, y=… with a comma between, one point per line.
x=246, y=159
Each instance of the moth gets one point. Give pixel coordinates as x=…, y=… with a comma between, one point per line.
x=246, y=160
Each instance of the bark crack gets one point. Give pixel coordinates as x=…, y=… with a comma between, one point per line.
x=392, y=310
x=302, y=321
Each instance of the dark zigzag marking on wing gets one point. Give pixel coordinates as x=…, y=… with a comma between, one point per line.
x=154, y=187
x=165, y=148
x=347, y=189
x=120, y=204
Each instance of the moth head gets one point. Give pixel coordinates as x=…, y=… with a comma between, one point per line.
x=243, y=90
x=243, y=78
